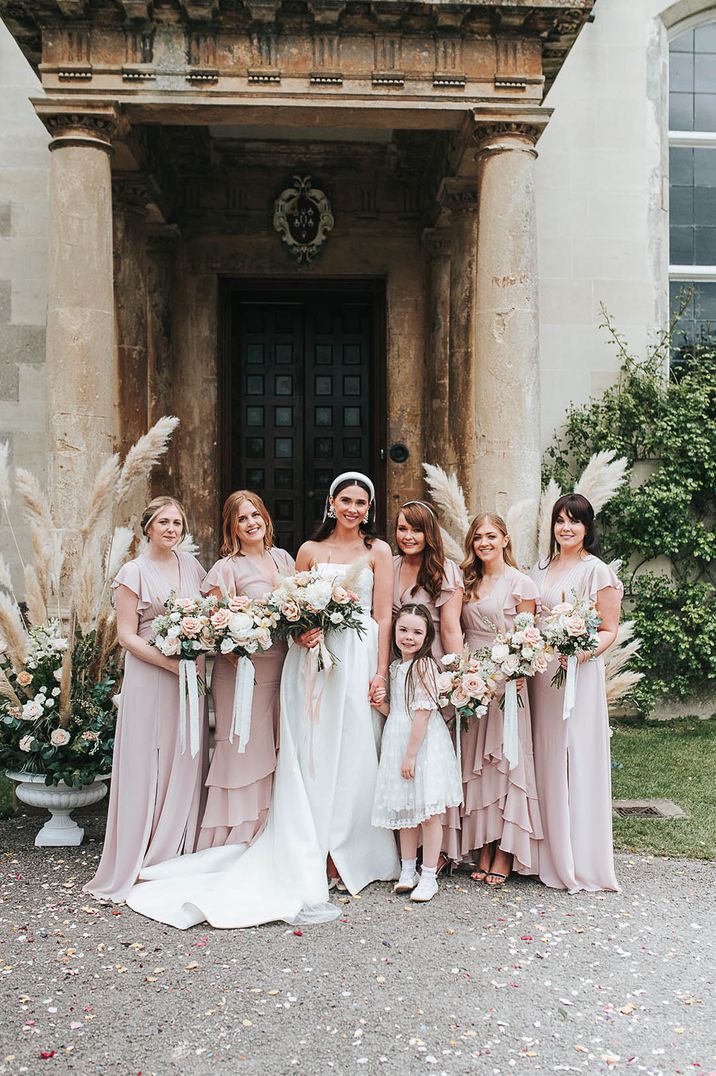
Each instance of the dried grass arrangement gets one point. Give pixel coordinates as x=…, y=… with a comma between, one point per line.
x=59, y=655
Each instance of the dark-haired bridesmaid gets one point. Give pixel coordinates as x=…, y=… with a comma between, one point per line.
x=240, y=782
x=572, y=757
x=423, y=574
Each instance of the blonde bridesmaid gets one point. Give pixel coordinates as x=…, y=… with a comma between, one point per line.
x=157, y=793
x=501, y=824
x=240, y=784
x=422, y=574
x=572, y=757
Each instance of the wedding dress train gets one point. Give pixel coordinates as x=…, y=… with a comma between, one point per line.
x=322, y=803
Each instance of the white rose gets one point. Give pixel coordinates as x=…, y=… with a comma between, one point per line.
x=227, y=645
x=170, y=647
x=511, y=664
x=318, y=594
x=57, y=675
x=444, y=682
x=174, y=632
x=59, y=737
x=518, y=638
x=49, y=703
x=31, y=711
x=500, y=651
x=447, y=659
x=528, y=653
x=26, y=743
x=336, y=618
x=55, y=692
x=240, y=625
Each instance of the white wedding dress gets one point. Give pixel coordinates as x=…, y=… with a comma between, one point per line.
x=322, y=803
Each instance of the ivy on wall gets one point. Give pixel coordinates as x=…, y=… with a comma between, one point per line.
x=662, y=523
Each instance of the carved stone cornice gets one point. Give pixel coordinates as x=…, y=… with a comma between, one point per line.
x=78, y=126
x=458, y=195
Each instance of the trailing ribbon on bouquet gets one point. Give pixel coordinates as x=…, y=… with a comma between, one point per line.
x=189, y=685
x=243, y=701
x=510, y=740
x=318, y=660
x=570, y=687
x=458, y=743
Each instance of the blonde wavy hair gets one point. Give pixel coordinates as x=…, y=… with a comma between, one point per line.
x=472, y=565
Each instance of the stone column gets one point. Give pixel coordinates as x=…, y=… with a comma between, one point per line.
x=436, y=242
x=161, y=250
x=459, y=196
x=506, y=468
x=80, y=314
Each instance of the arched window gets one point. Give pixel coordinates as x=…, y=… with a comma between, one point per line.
x=692, y=177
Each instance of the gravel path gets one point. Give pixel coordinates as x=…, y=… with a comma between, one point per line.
x=524, y=980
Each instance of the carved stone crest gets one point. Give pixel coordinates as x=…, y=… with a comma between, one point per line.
x=302, y=216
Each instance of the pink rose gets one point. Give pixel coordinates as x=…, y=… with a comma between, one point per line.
x=560, y=609
x=238, y=602
x=510, y=665
x=532, y=636
x=190, y=626
x=474, y=685
x=89, y=736
x=540, y=663
x=459, y=697
x=220, y=619
x=575, y=624
x=24, y=678
x=185, y=604
x=171, y=646
x=340, y=595
x=59, y=737
x=292, y=611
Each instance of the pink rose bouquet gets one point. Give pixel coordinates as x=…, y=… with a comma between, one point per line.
x=310, y=600
x=467, y=683
x=571, y=628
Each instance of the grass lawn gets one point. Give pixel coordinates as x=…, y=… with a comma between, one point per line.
x=674, y=760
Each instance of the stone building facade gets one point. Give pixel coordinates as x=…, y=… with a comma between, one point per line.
x=447, y=174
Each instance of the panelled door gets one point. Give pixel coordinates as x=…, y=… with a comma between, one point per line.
x=303, y=385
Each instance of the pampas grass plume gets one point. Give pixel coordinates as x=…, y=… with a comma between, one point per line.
x=12, y=630
x=118, y=551
x=142, y=456
x=601, y=478
x=6, y=689
x=447, y=493
x=520, y=519
x=66, y=688
x=5, y=576
x=88, y=585
x=5, y=488
x=550, y=494
x=101, y=498
x=34, y=598
x=34, y=501
x=621, y=684
x=452, y=548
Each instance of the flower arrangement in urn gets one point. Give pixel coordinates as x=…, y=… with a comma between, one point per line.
x=60, y=663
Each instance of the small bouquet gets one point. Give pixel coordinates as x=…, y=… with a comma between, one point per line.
x=244, y=626
x=308, y=600
x=467, y=682
x=521, y=651
x=571, y=628
x=190, y=628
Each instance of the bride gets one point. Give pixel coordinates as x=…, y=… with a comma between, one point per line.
x=319, y=820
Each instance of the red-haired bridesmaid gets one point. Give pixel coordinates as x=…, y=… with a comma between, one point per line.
x=157, y=792
x=423, y=574
x=572, y=757
x=240, y=783
x=501, y=824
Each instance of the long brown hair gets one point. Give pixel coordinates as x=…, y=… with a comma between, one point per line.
x=472, y=569
x=432, y=567
x=423, y=666
x=367, y=529
x=231, y=546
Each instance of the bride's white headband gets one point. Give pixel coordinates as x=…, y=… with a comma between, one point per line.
x=357, y=477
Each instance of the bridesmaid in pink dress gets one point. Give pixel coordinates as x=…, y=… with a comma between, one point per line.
x=240, y=784
x=157, y=793
x=572, y=757
x=422, y=574
x=501, y=820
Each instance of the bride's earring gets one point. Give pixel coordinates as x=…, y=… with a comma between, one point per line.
x=331, y=513
x=366, y=517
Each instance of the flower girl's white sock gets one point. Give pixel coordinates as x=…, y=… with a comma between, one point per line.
x=408, y=866
x=429, y=873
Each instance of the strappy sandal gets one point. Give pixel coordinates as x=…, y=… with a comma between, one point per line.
x=479, y=875
x=496, y=874
x=445, y=865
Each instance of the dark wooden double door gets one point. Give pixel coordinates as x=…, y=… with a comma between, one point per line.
x=304, y=394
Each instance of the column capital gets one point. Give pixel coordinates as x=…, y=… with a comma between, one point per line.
x=506, y=135
x=437, y=242
x=77, y=124
x=458, y=195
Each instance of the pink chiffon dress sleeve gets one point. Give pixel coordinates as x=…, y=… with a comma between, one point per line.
x=572, y=757
x=156, y=796
x=240, y=785
x=452, y=582
x=499, y=804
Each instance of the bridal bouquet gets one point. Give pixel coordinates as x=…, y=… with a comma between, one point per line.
x=244, y=626
x=190, y=628
x=571, y=628
x=308, y=600
x=467, y=682
x=520, y=651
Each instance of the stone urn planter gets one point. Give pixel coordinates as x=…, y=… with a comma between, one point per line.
x=60, y=830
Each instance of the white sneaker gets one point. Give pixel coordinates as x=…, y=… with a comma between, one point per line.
x=407, y=881
x=425, y=889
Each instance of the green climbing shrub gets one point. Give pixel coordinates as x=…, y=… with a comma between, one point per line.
x=661, y=415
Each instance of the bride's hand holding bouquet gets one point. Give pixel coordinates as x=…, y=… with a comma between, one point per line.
x=308, y=603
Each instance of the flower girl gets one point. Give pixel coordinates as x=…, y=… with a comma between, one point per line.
x=418, y=776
